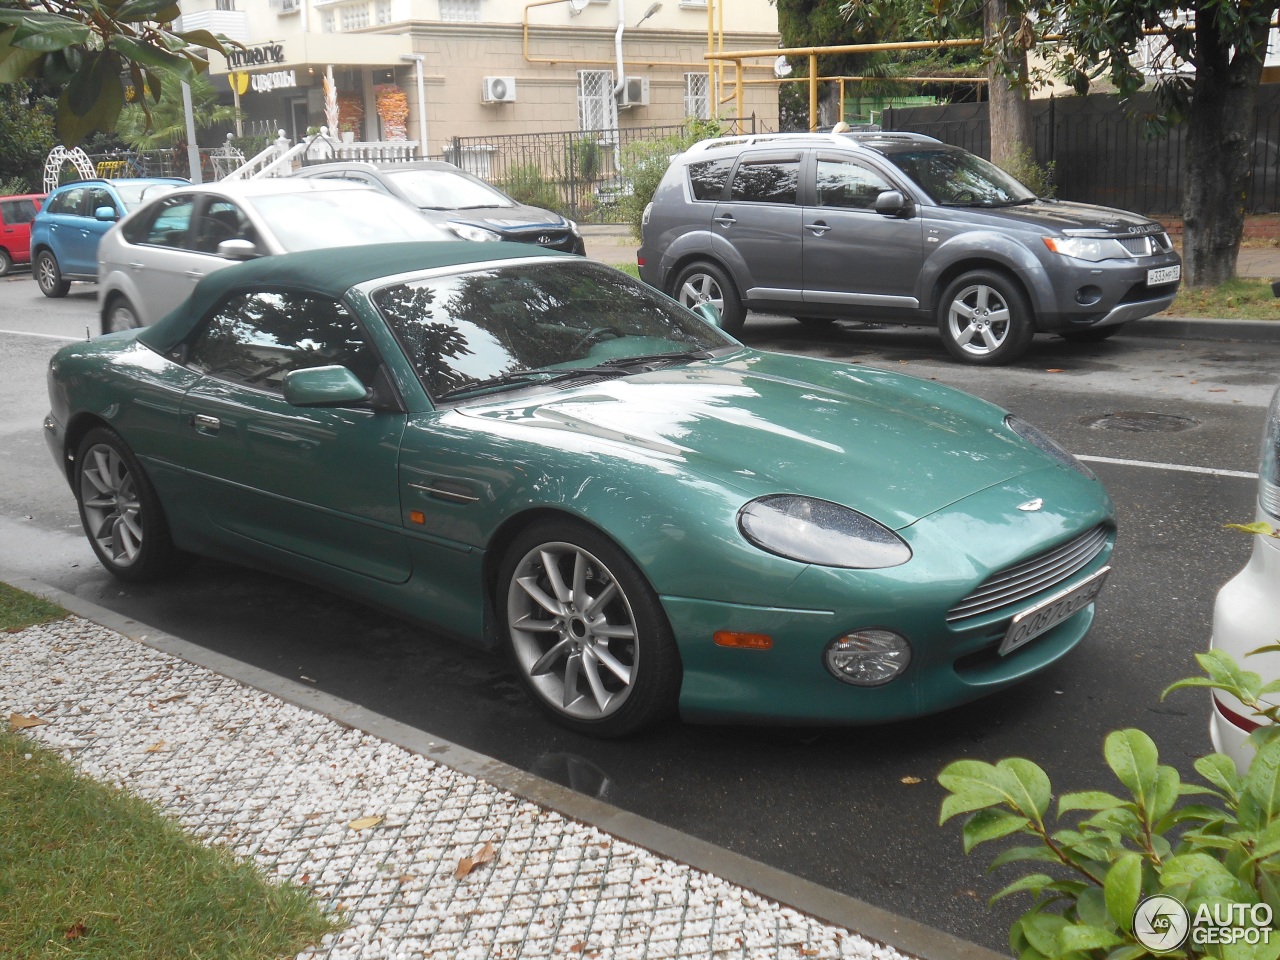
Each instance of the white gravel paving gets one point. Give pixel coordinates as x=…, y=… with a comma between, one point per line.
x=289, y=787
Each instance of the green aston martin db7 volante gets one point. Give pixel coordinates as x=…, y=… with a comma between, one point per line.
x=535, y=452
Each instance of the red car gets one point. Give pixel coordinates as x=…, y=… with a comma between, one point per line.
x=16, y=214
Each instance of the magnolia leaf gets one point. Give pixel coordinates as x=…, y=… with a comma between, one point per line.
x=135, y=11
x=1133, y=757
x=1123, y=888
x=18, y=722
x=86, y=85
x=1088, y=800
x=1034, y=882
x=364, y=823
x=991, y=825
x=203, y=38
x=74, y=127
x=15, y=63
x=152, y=56
x=1080, y=936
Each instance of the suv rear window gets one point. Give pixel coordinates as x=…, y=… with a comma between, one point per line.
x=707, y=179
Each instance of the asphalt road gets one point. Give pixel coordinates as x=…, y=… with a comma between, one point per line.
x=853, y=809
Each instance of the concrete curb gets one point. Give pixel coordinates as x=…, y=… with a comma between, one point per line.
x=873, y=923
x=1191, y=328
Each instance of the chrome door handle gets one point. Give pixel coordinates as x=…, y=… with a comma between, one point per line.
x=136, y=265
x=456, y=495
x=817, y=229
x=206, y=424
x=726, y=221
x=195, y=274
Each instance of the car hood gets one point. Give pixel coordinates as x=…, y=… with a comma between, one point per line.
x=1057, y=215
x=890, y=446
x=510, y=219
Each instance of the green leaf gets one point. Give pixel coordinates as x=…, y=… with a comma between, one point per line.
x=1258, y=529
x=1083, y=937
x=15, y=63
x=1133, y=757
x=1041, y=931
x=1220, y=770
x=135, y=11
x=1029, y=786
x=991, y=825
x=1123, y=888
x=203, y=38
x=1034, y=882
x=1016, y=854
x=152, y=56
x=1268, y=842
x=1166, y=793
x=1128, y=952
x=1088, y=800
x=1262, y=782
x=104, y=109
x=957, y=803
x=46, y=37
x=1190, y=867
x=1091, y=908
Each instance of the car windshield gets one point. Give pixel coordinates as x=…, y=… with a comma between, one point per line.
x=469, y=334
x=447, y=190
x=310, y=221
x=957, y=178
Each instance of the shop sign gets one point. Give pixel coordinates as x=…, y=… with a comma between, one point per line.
x=259, y=56
x=279, y=80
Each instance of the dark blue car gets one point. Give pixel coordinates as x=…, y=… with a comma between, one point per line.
x=66, y=231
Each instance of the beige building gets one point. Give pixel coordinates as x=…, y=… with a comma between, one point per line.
x=469, y=68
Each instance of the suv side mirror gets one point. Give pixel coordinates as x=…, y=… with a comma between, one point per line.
x=891, y=203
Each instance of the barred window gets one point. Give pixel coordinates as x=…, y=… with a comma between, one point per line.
x=597, y=109
x=697, y=96
x=460, y=11
x=382, y=11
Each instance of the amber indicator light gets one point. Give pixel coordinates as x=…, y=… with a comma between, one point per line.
x=743, y=641
x=417, y=516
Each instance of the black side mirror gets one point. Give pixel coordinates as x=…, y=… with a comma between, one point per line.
x=891, y=203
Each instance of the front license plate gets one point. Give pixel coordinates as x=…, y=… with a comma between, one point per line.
x=1159, y=275
x=1049, y=613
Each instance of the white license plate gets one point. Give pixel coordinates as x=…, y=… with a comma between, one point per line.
x=1159, y=275
x=1049, y=613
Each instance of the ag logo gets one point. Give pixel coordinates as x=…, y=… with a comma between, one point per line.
x=1161, y=923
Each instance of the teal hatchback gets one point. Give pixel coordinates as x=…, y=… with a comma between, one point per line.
x=536, y=453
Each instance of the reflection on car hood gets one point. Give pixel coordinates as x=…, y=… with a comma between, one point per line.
x=890, y=446
x=1074, y=216
x=510, y=218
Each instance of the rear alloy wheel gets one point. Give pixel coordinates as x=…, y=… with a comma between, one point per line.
x=704, y=282
x=1091, y=335
x=6, y=263
x=49, y=275
x=585, y=631
x=984, y=319
x=120, y=315
x=119, y=509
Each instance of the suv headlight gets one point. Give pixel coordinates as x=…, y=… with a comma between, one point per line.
x=1092, y=249
x=821, y=532
x=469, y=232
x=1269, y=462
x=1042, y=442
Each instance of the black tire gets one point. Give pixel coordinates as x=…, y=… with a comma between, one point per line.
x=6, y=263
x=119, y=315
x=703, y=282
x=119, y=509
x=989, y=308
x=1092, y=335
x=816, y=321
x=600, y=670
x=49, y=275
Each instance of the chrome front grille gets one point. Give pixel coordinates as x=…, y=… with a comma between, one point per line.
x=1024, y=580
x=1147, y=246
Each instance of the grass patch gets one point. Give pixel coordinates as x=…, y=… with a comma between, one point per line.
x=92, y=873
x=19, y=610
x=1240, y=298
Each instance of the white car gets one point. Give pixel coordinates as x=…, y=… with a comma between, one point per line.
x=1246, y=615
x=149, y=262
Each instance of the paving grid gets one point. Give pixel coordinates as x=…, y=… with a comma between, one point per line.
x=285, y=786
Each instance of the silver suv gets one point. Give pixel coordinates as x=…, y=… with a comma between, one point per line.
x=897, y=227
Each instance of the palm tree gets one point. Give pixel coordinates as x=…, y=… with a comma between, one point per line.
x=168, y=126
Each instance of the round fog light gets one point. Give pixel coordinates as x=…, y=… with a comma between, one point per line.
x=867, y=658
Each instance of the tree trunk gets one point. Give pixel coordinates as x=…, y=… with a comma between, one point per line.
x=1219, y=153
x=1009, y=113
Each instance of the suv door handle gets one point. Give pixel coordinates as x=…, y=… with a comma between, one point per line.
x=726, y=221
x=817, y=229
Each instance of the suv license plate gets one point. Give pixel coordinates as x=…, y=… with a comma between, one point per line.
x=1049, y=613
x=1159, y=275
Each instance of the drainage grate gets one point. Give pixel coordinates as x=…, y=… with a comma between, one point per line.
x=1135, y=422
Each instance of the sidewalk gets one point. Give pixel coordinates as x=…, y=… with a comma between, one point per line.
x=426, y=848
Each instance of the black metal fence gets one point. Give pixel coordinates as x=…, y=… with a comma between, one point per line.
x=1100, y=150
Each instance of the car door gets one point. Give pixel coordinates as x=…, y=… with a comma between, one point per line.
x=15, y=224
x=284, y=481
x=64, y=220
x=761, y=223
x=853, y=255
x=79, y=254
x=157, y=256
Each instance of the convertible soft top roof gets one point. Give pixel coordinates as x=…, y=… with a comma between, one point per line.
x=329, y=272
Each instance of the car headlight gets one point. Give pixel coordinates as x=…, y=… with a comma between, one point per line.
x=469, y=232
x=1092, y=249
x=1269, y=462
x=819, y=531
x=573, y=227
x=1041, y=442
x=867, y=658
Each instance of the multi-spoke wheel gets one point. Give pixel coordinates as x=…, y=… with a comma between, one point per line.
x=984, y=319
x=119, y=315
x=49, y=275
x=706, y=283
x=119, y=508
x=586, y=632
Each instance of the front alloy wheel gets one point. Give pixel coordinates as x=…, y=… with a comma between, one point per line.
x=984, y=319
x=586, y=633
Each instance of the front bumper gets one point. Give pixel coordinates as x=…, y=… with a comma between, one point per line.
x=1107, y=293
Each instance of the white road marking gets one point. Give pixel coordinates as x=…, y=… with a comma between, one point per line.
x=46, y=336
x=1178, y=467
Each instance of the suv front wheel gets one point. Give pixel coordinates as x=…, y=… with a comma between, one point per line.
x=704, y=282
x=985, y=319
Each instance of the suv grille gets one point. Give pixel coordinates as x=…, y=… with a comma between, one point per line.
x=1147, y=246
x=1021, y=581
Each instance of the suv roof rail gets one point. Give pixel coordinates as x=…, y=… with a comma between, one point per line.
x=857, y=136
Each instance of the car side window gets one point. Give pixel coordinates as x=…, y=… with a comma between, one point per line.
x=850, y=185
x=766, y=181
x=222, y=220
x=18, y=211
x=171, y=224
x=707, y=179
x=68, y=203
x=254, y=339
x=98, y=197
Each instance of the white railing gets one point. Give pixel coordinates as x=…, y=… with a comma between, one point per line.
x=280, y=159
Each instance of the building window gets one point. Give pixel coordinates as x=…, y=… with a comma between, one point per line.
x=597, y=109
x=328, y=23
x=460, y=11
x=382, y=11
x=225, y=5
x=697, y=97
x=354, y=16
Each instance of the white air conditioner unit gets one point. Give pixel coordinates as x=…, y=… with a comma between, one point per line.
x=634, y=92
x=498, y=90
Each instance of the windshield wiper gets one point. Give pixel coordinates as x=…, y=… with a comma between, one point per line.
x=648, y=358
